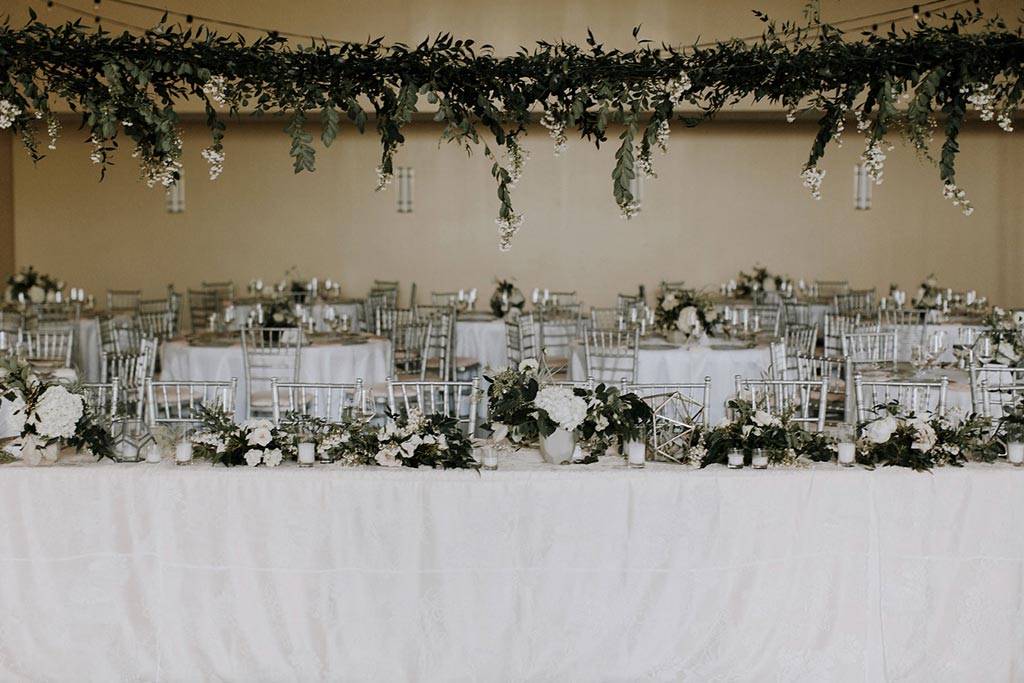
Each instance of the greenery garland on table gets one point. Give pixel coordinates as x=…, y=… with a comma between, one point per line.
x=127, y=86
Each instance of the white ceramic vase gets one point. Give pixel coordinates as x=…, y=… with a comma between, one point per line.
x=558, y=447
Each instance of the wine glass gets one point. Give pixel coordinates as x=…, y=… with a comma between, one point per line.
x=918, y=358
x=966, y=336
x=936, y=345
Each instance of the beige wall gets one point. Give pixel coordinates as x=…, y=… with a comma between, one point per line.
x=728, y=195
x=6, y=207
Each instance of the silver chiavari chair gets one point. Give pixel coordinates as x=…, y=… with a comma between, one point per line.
x=828, y=289
x=625, y=302
x=558, y=299
x=121, y=301
x=445, y=298
x=460, y=400
x=301, y=401
x=131, y=369
x=837, y=325
x=268, y=353
x=916, y=398
x=54, y=315
x=839, y=401
x=994, y=388
x=679, y=410
x=438, y=364
x=47, y=348
x=803, y=400
x=779, y=365
x=801, y=339
x=766, y=319
x=409, y=349
x=120, y=335
x=387, y=289
x=225, y=291
x=607, y=319
x=175, y=403
x=158, y=324
x=389, y=318
x=796, y=314
x=202, y=304
x=103, y=398
x=855, y=301
x=371, y=305
x=876, y=349
x=558, y=328
x=520, y=339
x=611, y=356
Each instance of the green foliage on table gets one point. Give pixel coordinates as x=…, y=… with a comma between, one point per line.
x=126, y=88
x=748, y=428
x=613, y=416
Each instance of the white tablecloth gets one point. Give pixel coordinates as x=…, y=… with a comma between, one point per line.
x=531, y=573
x=692, y=364
x=484, y=341
x=342, y=363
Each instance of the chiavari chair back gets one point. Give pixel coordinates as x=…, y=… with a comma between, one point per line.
x=121, y=301
x=520, y=339
x=994, y=388
x=828, y=289
x=202, y=304
x=130, y=369
x=269, y=353
x=918, y=398
x=611, y=356
x=558, y=329
x=298, y=402
x=103, y=398
x=855, y=301
x=607, y=319
x=801, y=339
x=871, y=348
x=409, y=348
x=176, y=403
x=796, y=313
x=47, y=348
x=460, y=400
x=839, y=401
x=803, y=400
x=680, y=411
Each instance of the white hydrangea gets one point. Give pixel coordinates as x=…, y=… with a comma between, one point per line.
x=58, y=412
x=561, y=405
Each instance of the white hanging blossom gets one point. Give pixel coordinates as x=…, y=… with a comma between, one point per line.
x=53, y=130
x=874, y=159
x=556, y=129
x=791, y=115
x=644, y=165
x=517, y=158
x=97, y=150
x=216, y=89
x=628, y=210
x=8, y=112
x=837, y=134
x=507, y=228
x=678, y=87
x=982, y=99
x=661, y=137
x=162, y=170
x=812, y=178
x=863, y=122
x=383, y=179
x=1005, y=121
x=959, y=197
x=216, y=161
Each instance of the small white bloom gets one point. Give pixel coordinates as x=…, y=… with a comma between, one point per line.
x=260, y=436
x=528, y=365
x=273, y=457
x=762, y=418
x=253, y=457
x=879, y=431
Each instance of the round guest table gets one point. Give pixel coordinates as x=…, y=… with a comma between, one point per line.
x=664, y=363
x=339, y=363
x=482, y=340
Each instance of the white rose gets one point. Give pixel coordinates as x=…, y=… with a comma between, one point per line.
x=879, y=431
x=1005, y=350
x=687, y=321
x=925, y=438
x=273, y=457
x=762, y=419
x=260, y=436
x=499, y=431
x=711, y=315
x=601, y=424
x=747, y=429
x=253, y=457
x=528, y=365
x=36, y=294
x=388, y=457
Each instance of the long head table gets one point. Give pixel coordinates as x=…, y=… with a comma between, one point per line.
x=531, y=573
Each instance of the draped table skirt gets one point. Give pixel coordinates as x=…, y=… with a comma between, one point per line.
x=531, y=573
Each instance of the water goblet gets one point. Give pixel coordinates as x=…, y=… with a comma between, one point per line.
x=936, y=346
x=918, y=358
x=984, y=350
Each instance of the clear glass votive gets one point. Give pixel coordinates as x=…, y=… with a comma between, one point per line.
x=735, y=459
x=489, y=458
x=847, y=453
x=636, y=454
x=759, y=459
x=183, y=452
x=307, y=454
x=1015, y=453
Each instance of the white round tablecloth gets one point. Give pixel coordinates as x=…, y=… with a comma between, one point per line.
x=338, y=363
x=692, y=364
x=484, y=341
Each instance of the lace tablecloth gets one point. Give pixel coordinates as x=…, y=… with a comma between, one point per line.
x=341, y=363
x=531, y=573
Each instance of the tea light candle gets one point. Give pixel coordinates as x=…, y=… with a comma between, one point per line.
x=636, y=454
x=847, y=454
x=1015, y=453
x=536, y=295
x=129, y=452
x=307, y=454
x=153, y=453
x=183, y=452
x=759, y=459
x=735, y=459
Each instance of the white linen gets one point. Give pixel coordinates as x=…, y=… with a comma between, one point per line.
x=340, y=363
x=484, y=341
x=692, y=364
x=531, y=573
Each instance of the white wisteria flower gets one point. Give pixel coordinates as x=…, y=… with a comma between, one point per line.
x=561, y=405
x=8, y=112
x=812, y=178
x=58, y=412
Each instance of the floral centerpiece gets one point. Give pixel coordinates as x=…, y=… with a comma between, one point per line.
x=923, y=441
x=929, y=295
x=34, y=286
x=782, y=440
x=49, y=415
x=759, y=280
x=418, y=440
x=525, y=408
x=1006, y=330
x=252, y=443
x=685, y=313
x=506, y=297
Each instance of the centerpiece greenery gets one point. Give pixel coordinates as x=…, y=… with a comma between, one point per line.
x=1006, y=330
x=36, y=287
x=782, y=440
x=126, y=88
x=758, y=280
x=686, y=312
x=49, y=414
x=506, y=297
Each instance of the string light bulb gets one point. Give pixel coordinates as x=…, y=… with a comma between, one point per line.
x=917, y=12
x=49, y=5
